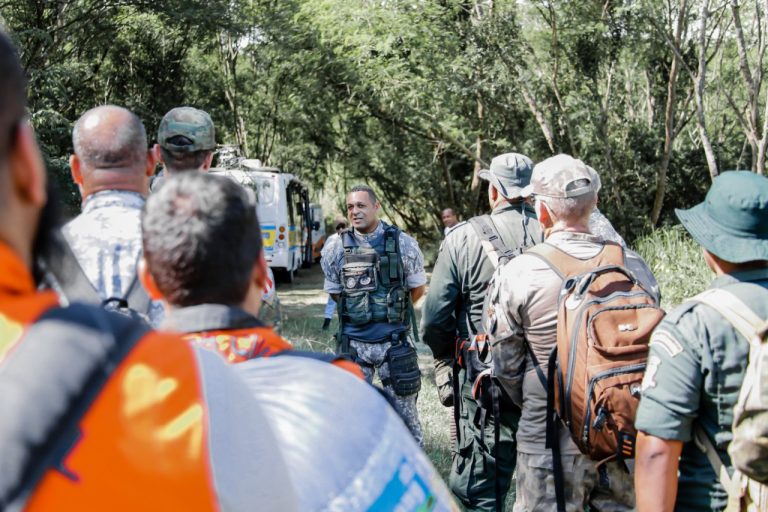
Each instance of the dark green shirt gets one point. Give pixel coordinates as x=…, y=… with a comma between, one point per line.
x=461, y=274
x=695, y=368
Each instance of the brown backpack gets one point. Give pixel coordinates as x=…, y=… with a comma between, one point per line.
x=604, y=324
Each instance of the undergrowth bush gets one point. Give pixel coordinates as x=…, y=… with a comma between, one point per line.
x=677, y=262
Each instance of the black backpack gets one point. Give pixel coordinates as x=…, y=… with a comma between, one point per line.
x=68, y=279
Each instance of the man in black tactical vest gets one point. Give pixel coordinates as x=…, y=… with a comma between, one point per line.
x=484, y=454
x=375, y=273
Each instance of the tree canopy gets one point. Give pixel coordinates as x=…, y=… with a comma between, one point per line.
x=414, y=96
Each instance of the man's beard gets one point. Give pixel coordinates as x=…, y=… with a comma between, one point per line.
x=46, y=247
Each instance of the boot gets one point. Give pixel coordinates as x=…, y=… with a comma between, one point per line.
x=326, y=323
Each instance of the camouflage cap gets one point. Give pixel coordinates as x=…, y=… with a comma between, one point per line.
x=509, y=173
x=562, y=176
x=732, y=222
x=192, y=124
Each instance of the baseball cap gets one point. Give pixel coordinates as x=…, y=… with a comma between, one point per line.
x=509, y=173
x=562, y=176
x=732, y=221
x=190, y=123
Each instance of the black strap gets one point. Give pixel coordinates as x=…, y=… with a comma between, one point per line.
x=495, y=399
x=457, y=403
x=494, y=248
x=68, y=278
x=553, y=434
x=539, y=372
x=348, y=240
x=47, y=384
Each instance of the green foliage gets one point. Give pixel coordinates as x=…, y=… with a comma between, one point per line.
x=677, y=262
x=406, y=95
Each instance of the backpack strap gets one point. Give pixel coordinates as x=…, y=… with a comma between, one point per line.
x=47, y=384
x=68, y=278
x=348, y=241
x=137, y=297
x=729, y=483
x=494, y=248
x=733, y=309
x=565, y=265
x=748, y=324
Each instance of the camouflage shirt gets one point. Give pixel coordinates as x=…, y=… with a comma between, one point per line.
x=696, y=365
x=106, y=239
x=333, y=259
x=600, y=225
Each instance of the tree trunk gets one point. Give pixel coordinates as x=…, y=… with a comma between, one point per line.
x=700, y=85
x=530, y=100
x=669, y=120
x=478, y=148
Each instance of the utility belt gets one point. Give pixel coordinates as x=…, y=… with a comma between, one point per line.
x=401, y=357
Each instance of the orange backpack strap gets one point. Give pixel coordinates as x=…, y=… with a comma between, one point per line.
x=565, y=265
x=46, y=388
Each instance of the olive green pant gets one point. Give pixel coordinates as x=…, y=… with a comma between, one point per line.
x=474, y=471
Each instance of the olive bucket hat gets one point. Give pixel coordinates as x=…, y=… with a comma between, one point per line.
x=732, y=222
x=509, y=173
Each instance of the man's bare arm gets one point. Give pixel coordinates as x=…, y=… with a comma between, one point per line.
x=417, y=293
x=656, y=465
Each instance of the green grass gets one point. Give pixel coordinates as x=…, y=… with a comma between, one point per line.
x=677, y=262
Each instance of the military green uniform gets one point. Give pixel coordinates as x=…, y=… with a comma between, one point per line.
x=695, y=369
x=457, y=289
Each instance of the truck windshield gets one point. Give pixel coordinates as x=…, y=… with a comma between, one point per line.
x=265, y=191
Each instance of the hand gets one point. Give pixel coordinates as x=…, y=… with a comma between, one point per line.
x=444, y=381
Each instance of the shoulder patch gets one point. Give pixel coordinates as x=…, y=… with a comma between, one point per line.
x=651, y=369
x=664, y=340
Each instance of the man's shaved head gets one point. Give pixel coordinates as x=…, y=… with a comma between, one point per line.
x=110, y=137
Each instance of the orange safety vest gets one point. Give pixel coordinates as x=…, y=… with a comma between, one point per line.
x=238, y=345
x=149, y=440
x=237, y=335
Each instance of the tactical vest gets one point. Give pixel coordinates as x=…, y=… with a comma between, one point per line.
x=373, y=281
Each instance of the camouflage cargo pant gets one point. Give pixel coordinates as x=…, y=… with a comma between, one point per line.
x=608, y=490
x=474, y=470
x=372, y=357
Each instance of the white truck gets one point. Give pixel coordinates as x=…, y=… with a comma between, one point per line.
x=282, y=204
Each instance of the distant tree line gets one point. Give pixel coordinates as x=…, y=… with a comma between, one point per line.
x=414, y=96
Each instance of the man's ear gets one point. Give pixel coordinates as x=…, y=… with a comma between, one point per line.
x=158, y=155
x=148, y=282
x=493, y=195
x=27, y=168
x=153, y=155
x=207, y=162
x=259, y=272
x=75, y=169
x=542, y=213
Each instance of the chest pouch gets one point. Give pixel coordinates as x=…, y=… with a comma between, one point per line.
x=359, y=277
